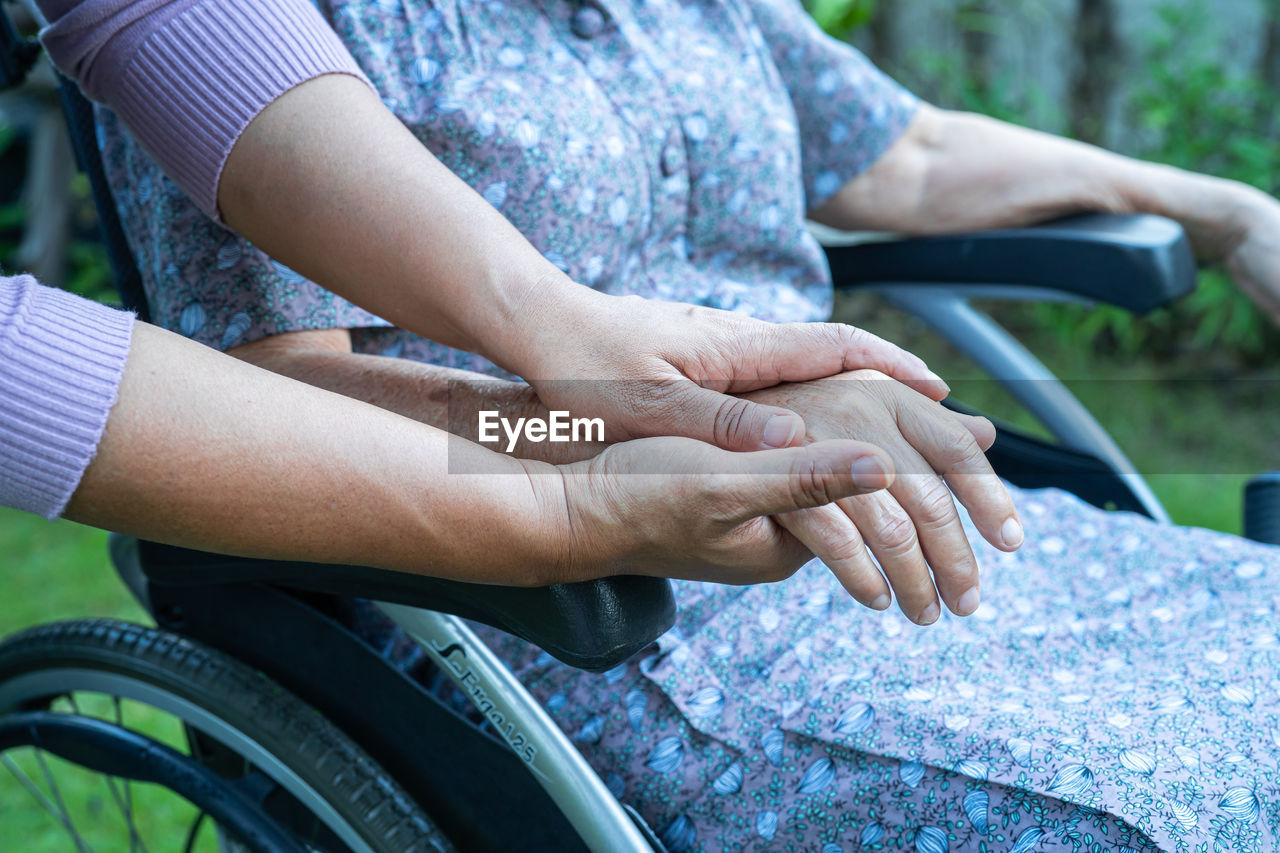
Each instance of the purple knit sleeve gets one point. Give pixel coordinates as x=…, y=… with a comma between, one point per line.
x=61, y=360
x=188, y=76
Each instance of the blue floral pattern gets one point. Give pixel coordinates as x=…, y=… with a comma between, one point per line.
x=658, y=148
x=1117, y=693
x=1118, y=688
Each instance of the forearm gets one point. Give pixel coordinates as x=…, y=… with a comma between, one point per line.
x=373, y=216
x=954, y=171
x=442, y=397
x=204, y=451
x=260, y=113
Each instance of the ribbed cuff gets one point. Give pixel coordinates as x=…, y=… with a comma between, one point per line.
x=188, y=83
x=61, y=361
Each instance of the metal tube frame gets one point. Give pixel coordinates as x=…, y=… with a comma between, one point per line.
x=947, y=311
x=520, y=720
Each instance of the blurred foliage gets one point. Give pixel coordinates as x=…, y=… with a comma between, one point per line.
x=1187, y=112
x=841, y=18
x=88, y=271
x=1194, y=115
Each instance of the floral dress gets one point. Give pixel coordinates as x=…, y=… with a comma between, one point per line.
x=1119, y=688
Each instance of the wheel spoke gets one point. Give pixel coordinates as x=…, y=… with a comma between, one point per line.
x=193, y=832
x=128, y=801
x=125, y=804
x=56, y=808
x=32, y=788
x=127, y=807
x=57, y=797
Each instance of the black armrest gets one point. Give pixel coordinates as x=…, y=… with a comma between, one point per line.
x=594, y=625
x=1136, y=262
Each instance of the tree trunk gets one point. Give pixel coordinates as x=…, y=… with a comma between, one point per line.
x=1097, y=50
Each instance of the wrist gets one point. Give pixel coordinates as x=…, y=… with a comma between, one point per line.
x=598, y=542
x=549, y=533
x=1251, y=207
x=535, y=313
x=1216, y=213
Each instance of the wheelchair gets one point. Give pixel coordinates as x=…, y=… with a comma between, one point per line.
x=296, y=734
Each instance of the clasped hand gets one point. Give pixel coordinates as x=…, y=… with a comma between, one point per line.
x=879, y=474
x=912, y=527
x=650, y=368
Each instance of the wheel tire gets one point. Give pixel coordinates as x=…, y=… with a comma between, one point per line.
x=355, y=787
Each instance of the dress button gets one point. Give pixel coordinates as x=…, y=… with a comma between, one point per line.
x=672, y=157
x=587, y=22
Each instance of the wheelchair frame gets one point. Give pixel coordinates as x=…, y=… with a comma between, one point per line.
x=550, y=796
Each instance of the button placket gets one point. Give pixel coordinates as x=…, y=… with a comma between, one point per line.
x=587, y=22
x=672, y=158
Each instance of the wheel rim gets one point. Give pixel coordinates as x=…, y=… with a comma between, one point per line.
x=47, y=685
x=122, y=755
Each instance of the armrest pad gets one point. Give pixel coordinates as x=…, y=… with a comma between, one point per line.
x=593, y=625
x=1136, y=262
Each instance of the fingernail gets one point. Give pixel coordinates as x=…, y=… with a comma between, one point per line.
x=868, y=473
x=929, y=615
x=969, y=601
x=1011, y=533
x=780, y=431
x=936, y=378
x=881, y=602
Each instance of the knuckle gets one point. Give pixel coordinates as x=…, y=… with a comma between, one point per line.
x=895, y=534
x=934, y=507
x=845, y=552
x=715, y=495
x=849, y=340
x=960, y=447
x=862, y=345
x=845, y=335
x=809, y=484
x=732, y=421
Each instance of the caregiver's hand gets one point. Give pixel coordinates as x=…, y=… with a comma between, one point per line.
x=649, y=368
x=913, y=526
x=674, y=507
x=360, y=213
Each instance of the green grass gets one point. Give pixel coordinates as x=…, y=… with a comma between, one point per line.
x=59, y=570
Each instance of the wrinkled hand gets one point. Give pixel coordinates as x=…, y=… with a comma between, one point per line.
x=649, y=368
x=1253, y=257
x=913, y=526
x=675, y=507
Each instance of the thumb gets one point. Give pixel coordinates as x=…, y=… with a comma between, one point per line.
x=776, y=481
x=730, y=423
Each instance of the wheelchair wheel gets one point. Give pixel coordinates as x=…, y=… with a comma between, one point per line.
x=134, y=738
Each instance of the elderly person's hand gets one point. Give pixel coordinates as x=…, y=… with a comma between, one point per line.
x=1252, y=251
x=913, y=527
